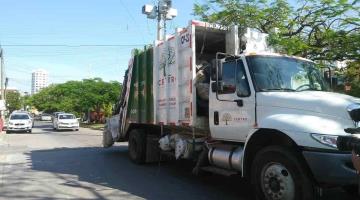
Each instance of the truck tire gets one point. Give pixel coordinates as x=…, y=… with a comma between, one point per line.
x=137, y=146
x=352, y=190
x=277, y=173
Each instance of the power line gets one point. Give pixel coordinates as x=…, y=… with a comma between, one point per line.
x=67, y=45
x=132, y=17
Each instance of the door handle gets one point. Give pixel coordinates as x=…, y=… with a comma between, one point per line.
x=216, y=118
x=239, y=102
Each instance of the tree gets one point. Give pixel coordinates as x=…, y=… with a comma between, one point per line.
x=321, y=30
x=352, y=76
x=78, y=97
x=13, y=100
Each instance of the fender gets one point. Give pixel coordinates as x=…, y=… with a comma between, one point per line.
x=297, y=126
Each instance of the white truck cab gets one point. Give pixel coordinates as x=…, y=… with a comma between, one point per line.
x=260, y=99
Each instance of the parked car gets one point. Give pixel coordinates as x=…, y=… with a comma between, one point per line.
x=45, y=117
x=19, y=121
x=65, y=121
x=55, y=115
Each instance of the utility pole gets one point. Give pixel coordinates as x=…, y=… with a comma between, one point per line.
x=162, y=12
x=2, y=73
x=2, y=87
x=6, y=84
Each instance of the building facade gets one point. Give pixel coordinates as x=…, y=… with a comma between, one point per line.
x=39, y=80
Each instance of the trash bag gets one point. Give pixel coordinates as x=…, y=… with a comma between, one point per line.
x=107, y=138
x=164, y=143
x=202, y=80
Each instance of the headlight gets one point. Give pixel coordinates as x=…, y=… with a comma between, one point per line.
x=10, y=123
x=328, y=140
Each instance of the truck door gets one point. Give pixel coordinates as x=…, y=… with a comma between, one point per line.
x=232, y=102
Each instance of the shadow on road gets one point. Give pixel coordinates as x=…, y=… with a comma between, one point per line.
x=111, y=168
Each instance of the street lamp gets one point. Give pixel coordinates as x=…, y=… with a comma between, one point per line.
x=162, y=12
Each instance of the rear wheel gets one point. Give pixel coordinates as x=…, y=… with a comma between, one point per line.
x=277, y=173
x=137, y=146
x=352, y=190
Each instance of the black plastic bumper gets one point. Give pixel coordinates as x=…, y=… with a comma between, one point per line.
x=18, y=129
x=331, y=168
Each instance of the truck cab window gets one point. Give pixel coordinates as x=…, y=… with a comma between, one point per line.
x=228, y=78
x=242, y=84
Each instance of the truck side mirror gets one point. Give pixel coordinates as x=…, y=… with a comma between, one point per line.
x=219, y=70
x=217, y=86
x=327, y=76
x=216, y=67
x=335, y=82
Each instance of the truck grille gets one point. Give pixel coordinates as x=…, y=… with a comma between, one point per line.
x=354, y=111
x=355, y=115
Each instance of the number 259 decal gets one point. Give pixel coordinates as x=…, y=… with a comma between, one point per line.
x=185, y=38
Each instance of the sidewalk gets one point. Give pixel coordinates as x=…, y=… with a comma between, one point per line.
x=93, y=126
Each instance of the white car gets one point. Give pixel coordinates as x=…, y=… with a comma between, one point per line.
x=45, y=117
x=66, y=121
x=19, y=122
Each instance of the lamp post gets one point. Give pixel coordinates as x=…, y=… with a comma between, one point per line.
x=162, y=12
x=2, y=73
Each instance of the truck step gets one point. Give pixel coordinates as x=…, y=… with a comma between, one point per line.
x=170, y=154
x=217, y=170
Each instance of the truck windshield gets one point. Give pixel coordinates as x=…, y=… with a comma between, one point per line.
x=276, y=73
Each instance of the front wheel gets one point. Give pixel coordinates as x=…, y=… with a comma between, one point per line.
x=277, y=173
x=352, y=190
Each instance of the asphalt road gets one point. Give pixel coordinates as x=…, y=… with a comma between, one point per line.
x=73, y=165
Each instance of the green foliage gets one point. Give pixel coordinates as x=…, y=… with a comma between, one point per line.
x=352, y=75
x=321, y=30
x=13, y=100
x=77, y=97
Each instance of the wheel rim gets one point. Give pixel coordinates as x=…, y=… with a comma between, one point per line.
x=277, y=182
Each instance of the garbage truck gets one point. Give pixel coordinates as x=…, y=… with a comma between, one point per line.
x=223, y=98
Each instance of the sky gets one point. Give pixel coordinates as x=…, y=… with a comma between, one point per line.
x=28, y=27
